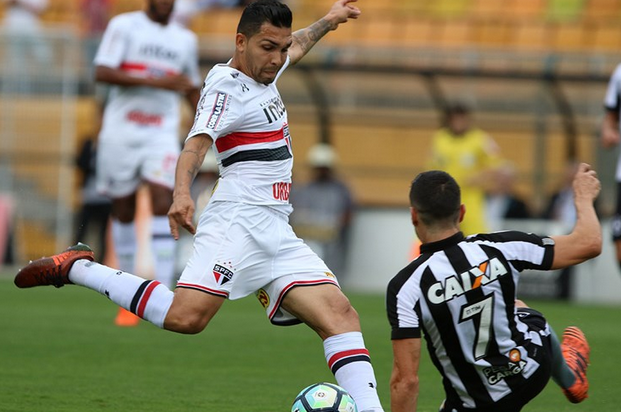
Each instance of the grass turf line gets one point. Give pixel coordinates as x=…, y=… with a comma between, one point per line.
x=60, y=352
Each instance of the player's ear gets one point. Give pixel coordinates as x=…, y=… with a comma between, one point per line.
x=462, y=212
x=241, y=42
x=414, y=216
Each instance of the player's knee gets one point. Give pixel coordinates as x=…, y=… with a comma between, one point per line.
x=186, y=323
x=344, y=316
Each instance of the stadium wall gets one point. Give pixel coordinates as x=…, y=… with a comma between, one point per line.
x=382, y=241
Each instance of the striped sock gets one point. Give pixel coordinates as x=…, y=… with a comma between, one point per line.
x=148, y=299
x=350, y=363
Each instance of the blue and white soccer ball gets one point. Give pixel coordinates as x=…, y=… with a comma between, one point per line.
x=324, y=397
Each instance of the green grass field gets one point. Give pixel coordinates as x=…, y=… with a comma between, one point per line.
x=60, y=352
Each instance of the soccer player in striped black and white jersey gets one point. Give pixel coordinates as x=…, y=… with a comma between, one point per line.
x=493, y=352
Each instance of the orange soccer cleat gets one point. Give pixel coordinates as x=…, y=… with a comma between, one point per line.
x=576, y=352
x=53, y=270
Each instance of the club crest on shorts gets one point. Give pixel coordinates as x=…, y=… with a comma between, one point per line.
x=222, y=274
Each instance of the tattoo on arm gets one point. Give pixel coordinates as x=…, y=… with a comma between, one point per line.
x=308, y=37
x=196, y=164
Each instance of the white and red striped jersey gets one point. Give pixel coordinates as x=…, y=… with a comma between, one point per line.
x=248, y=124
x=141, y=47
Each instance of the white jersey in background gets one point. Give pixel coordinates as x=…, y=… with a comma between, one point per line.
x=612, y=102
x=248, y=124
x=143, y=48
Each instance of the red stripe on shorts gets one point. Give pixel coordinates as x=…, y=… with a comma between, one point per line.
x=297, y=283
x=203, y=289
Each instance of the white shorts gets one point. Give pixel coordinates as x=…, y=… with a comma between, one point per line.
x=240, y=249
x=122, y=165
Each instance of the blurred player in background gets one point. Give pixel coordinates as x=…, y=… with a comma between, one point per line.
x=323, y=209
x=472, y=157
x=244, y=243
x=493, y=352
x=149, y=64
x=610, y=138
x=27, y=46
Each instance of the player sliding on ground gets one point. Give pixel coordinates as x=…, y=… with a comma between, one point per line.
x=243, y=242
x=494, y=353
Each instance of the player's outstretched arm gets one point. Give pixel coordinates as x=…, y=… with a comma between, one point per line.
x=305, y=39
x=190, y=160
x=585, y=240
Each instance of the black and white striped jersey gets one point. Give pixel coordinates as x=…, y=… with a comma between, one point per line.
x=460, y=293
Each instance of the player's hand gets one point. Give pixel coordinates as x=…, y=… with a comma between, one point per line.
x=181, y=214
x=342, y=11
x=586, y=184
x=610, y=137
x=177, y=83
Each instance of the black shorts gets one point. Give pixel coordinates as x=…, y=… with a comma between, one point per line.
x=535, y=384
x=616, y=219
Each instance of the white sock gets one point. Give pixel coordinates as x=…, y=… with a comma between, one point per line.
x=148, y=299
x=350, y=363
x=163, y=246
x=125, y=244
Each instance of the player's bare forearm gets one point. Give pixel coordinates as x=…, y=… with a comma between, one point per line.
x=116, y=77
x=305, y=39
x=189, y=163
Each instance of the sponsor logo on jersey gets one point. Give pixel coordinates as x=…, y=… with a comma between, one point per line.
x=497, y=373
x=474, y=278
x=222, y=274
x=281, y=190
x=330, y=275
x=273, y=109
x=144, y=119
x=159, y=51
x=217, y=111
x=263, y=297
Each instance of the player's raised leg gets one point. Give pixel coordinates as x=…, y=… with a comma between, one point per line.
x=570, y=360
x=328, y=312
x=187, y=311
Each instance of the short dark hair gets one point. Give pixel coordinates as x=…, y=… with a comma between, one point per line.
x=436, y=197
x=264, y=11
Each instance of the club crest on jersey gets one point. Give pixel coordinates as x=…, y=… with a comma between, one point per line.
x=473, y=278
x=222, y=274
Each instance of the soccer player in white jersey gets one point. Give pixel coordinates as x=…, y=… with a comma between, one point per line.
x=610, y=138
x=243, y=243
x=150, y=64
x=493, y=352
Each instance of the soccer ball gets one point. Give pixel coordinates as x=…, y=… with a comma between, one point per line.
x=324, y=397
